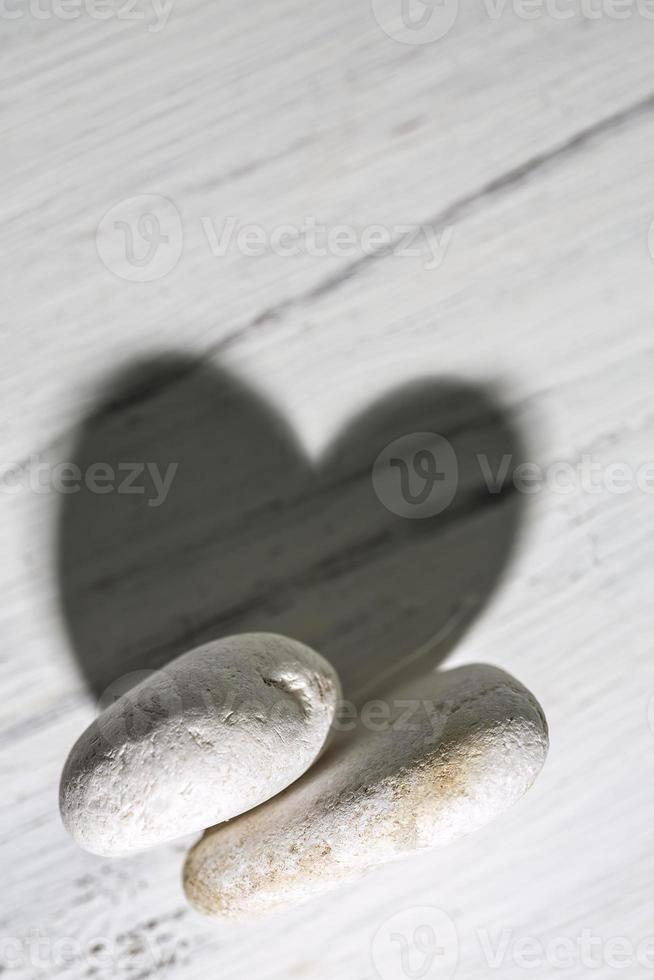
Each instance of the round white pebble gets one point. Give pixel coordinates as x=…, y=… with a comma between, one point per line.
x=437, y=760
x=214, y=733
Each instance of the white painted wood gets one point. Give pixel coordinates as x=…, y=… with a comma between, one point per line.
x=531, y=141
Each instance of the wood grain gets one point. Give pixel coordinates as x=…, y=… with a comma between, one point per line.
x=529, y=140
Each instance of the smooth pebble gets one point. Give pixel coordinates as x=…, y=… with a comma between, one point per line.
x=447, y=754
x=214, y=733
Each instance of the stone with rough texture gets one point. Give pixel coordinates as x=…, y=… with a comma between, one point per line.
x=448, y=753
x=217, y=731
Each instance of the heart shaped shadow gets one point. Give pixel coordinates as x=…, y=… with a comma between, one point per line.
x=251, y=536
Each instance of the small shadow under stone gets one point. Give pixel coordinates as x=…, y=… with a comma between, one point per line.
x=249, y=535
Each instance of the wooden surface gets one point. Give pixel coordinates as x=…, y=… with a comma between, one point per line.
x=274, y=382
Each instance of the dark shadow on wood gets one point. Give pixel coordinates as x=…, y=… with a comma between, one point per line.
x=251, y=536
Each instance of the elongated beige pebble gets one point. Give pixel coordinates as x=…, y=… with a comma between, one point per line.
x=217, y=731
x=449, y=753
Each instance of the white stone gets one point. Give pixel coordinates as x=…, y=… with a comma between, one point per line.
x=217, y=731
x=457, y=749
